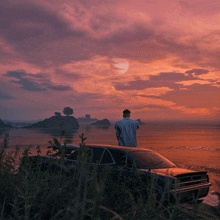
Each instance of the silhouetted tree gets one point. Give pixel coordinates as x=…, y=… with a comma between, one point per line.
x=68, y=111
x=57, y=113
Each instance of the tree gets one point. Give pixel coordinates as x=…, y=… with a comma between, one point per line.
x=68, y=111
x=88, y=116
x=57, y=113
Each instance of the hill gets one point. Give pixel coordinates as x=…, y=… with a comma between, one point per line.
x=69, y=122
x=102, y=122
x=3, y=125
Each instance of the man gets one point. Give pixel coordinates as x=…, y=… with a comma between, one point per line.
x=126, y=130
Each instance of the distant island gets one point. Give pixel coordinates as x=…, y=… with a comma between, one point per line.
x=3, y=125
x=102, y=122
x=87, y=120
x=69, y=122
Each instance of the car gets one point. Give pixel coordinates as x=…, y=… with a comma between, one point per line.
x=68, y=149
x=183, y=184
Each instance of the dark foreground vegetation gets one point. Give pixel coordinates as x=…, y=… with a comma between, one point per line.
x=35, y=194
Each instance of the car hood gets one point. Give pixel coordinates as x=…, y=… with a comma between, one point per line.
x=175, y=172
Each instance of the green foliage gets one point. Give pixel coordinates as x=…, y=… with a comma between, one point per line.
x=77, y=191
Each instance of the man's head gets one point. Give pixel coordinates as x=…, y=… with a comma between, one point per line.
x=126, y=113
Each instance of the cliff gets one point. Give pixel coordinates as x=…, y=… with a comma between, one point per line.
x=69, y=122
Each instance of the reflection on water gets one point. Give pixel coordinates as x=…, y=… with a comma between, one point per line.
x=4, y=132
x=69, y=133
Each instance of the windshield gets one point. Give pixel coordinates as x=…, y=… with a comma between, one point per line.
x=149, y=159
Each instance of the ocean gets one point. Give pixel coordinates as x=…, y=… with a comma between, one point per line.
x=188, y=145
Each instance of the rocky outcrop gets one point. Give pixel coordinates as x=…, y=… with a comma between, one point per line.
x=102, y=122
x=140, y=122
x=69, y=122
x=3, y=125
x=87, y=120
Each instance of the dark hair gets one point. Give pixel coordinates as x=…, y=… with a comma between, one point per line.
x=126, y=112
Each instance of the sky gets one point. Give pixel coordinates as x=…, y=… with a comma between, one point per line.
x=157, y=58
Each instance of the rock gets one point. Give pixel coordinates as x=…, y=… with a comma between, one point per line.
x=102, y=122
x=140, y=122
x=69, y=122
x=3, y=125
x=87, y=120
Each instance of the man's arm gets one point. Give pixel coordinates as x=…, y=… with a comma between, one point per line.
x=117, y=134
x=137, y=125
x=117, y=131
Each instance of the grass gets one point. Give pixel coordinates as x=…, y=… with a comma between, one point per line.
x=38, y=194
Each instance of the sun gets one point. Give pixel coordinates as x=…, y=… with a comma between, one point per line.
x=121, y=65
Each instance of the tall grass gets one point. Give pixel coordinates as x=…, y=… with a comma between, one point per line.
x=79, y=192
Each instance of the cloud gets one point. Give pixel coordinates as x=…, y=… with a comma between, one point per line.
x=60, y=88
x=29, y=82
x=26, y=84
x=74, y=31
x=16, y=74
x=196, y=96
x=133, y=34
x=197, y=71
x=150, y=106
x=149, y=96
x=164, y=79
x=70, y=76
x=200, y=7
x=29, y=85
x=32, y=24
x=40, y=35
x=6, y=96
x=56, y=46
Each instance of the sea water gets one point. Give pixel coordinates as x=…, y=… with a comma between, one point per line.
x=189, y=145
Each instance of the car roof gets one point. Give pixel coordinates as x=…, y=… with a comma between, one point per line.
x=127, y=149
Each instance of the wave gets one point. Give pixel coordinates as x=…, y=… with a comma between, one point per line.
x=211, y=199
x=200, y=148
x=196, y=168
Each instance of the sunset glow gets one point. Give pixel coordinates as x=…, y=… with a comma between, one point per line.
x=160, y=59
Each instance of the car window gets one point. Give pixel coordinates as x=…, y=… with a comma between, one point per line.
x=107, y=158
x=73, y=156
x=96, y=154
x=150, y=159
x=121, y=158
x=67, y=151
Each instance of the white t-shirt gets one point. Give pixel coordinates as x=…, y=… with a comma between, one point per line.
x=126, y=132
